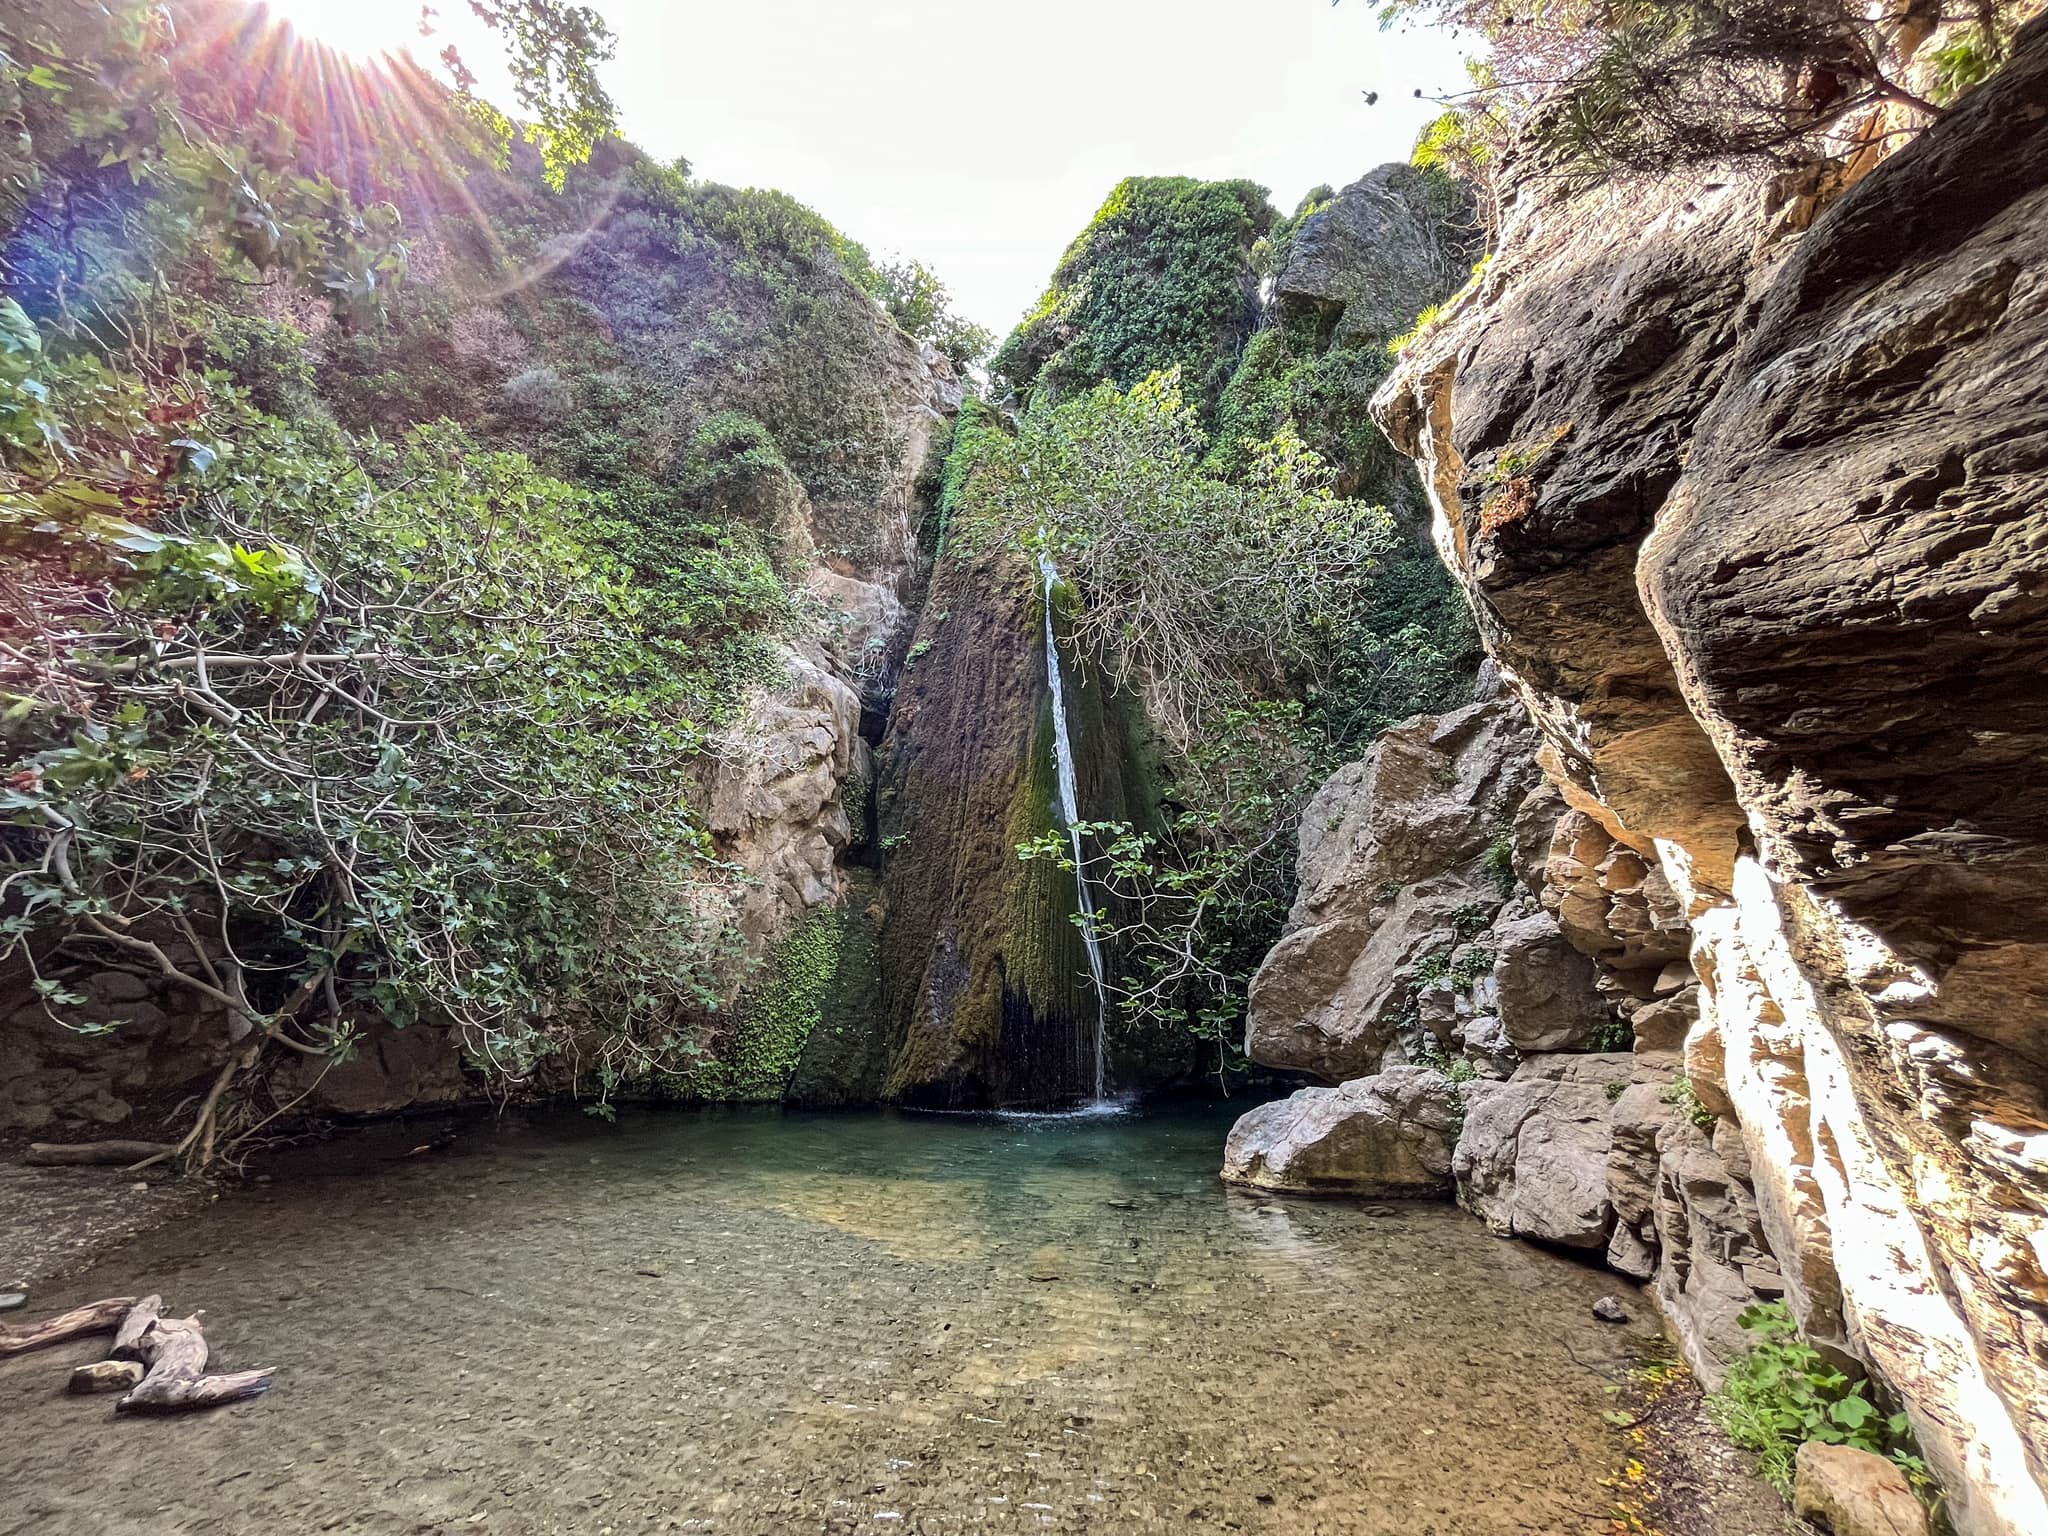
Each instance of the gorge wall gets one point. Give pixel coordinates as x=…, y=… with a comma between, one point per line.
x=723, y=381
x=1743, y=475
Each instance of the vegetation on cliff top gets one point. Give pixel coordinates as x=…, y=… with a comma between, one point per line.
x=1655, y=83
x=1161, y=278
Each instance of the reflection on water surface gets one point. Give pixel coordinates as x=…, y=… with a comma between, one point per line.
x=756, y=1322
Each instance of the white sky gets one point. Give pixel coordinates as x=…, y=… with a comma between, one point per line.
x=980, y=135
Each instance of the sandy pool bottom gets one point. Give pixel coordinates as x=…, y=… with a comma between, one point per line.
x=764, y=1322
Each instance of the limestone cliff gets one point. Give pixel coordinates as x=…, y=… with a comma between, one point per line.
x=1746, y=487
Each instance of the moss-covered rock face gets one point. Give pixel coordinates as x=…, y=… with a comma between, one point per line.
x=845, y=1058
x=985, y=980
x=1161, y=278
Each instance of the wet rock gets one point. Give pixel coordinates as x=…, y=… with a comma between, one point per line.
x=1855, y=1493
x=1608, y=1309
x=10, y=1300
x=1386, y=1135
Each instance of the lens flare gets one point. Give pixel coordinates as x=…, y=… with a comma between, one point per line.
x=360, y=28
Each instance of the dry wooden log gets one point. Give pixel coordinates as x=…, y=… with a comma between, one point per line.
x=127, y=1343
x=88, y=1154
x=105, y=1376
x=175, y=1351
x=93, y=1317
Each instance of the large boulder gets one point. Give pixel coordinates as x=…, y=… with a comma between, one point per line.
x=1531, y=1160
x=1385, y=1135
x=1386, y=238
x=1544, y=987
x=1855, y=1493
x=1397, y=868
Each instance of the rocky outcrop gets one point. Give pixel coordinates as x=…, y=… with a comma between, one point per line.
x=1747, y=493
x=1394, y=880
x=838, y=505
x=1386, y=1135
x=1524, y=956
x=775, y=798
x=1532, y=1160
x=1384, y=246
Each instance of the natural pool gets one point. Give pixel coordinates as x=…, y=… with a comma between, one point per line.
x=764, y=1322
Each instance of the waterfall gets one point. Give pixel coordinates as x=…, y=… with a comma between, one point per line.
x=1070, y=813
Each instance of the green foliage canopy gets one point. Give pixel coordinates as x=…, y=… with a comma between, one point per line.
x=1161, y=278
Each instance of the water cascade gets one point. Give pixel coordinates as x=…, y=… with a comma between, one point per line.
x=1070, y=813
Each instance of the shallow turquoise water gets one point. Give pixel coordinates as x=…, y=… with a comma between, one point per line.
x=759, y=1322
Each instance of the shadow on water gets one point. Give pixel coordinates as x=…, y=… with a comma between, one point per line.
x=756, y=1321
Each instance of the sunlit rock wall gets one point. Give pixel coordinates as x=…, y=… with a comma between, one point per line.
x=1747, y=490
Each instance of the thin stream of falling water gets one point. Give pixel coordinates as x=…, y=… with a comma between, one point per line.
x=1070, y=813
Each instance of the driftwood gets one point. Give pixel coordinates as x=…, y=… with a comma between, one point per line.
x=104, y=1376
x=159, y=1361
x=174, y=1349
x=128, y=1337
x=93, y=1317
x=94, y=1154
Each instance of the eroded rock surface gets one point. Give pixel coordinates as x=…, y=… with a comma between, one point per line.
x=1386, y=238
x=1394, y=877
x=1390, y=1134
x=1748, y=493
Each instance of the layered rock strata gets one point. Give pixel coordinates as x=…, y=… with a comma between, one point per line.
x=1747, y=487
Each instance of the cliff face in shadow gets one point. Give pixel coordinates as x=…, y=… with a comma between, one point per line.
x=985, y=982
x=1747, y=492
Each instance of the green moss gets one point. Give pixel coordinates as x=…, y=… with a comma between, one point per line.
x=846, y=1056
x=774, y=1022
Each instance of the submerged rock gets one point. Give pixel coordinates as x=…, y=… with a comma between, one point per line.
x=1385, y=1135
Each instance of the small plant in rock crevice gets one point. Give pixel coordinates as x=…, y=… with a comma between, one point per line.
x=1783, y=1392
x=1460, y=968
x=1500, y=864
x=1685, y=1098
x=1614, y=1034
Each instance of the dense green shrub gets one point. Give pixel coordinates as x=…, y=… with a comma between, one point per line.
x=918, y=302
x=1161, y=278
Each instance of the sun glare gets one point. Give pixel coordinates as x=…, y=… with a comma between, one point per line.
x=362, y=29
